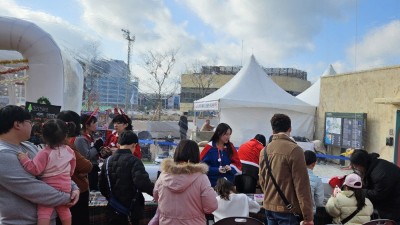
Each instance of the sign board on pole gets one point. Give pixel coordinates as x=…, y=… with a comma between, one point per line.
x=41, y=112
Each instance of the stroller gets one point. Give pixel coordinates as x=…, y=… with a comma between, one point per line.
x=145, y=140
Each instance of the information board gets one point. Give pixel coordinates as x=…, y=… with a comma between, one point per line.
x=345, y=130
x=42, y=112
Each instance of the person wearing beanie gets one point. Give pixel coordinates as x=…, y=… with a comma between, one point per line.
x=381, y=180
x=349, y=205
x=127, y=178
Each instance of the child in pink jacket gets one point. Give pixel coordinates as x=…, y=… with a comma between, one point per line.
x=183, y=190
x=55, y=165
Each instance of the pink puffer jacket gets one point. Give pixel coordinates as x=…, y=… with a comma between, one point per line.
x=184, y=194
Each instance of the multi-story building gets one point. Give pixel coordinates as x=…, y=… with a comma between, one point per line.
x=107, y=85
x=197, y=85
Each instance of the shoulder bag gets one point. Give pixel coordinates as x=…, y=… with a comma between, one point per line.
x=289, y=206
x=347, y=219
x=114, y=203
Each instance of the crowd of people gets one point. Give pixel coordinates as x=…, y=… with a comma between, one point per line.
x=57, y=169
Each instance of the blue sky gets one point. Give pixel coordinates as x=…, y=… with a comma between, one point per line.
x=308, y=34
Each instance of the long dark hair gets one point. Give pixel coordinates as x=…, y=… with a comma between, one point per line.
x=222, y=129
x=360, y=196
x=224, y=188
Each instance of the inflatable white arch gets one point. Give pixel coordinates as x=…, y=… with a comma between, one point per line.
x=46, y=66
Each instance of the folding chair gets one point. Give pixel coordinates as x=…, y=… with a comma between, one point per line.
x=380, y=222
x=239, y=221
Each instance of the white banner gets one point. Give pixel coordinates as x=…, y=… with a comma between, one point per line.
x=204, y=106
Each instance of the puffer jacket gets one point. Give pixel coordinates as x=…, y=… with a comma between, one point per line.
x=289, y=169
x=249, y=152
x=381, y=185
x=184, y=193
x=344, y=204
x=249, y=155
x=127, y=175
x=317, y=190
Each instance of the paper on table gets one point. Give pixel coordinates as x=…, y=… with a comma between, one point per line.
x=259, y=198
x=147, y=197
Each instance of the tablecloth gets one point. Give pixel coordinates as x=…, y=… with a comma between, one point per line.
x=98, y=210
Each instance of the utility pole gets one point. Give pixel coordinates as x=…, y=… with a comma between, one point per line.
x=127, y=35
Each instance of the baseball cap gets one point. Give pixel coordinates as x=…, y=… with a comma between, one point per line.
x=353, y=180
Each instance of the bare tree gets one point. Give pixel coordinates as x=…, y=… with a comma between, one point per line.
x=159, y=65
x=202, y=81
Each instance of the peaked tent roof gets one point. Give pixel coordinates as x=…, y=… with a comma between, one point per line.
x=329, y=71
x=252, y=87
x=311, y=94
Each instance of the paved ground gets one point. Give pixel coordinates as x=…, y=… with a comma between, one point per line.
x=329, y=170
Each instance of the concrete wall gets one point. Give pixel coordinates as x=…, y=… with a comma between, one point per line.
x=186, y=107
x=217, y=80
x=375, y=92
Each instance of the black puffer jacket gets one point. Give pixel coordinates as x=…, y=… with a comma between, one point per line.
x=127, y=174
x=382, y=187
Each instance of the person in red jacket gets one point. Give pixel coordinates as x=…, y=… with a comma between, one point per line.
x=121, y=123
x=249, y=155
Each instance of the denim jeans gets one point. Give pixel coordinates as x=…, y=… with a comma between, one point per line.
x=277, y=218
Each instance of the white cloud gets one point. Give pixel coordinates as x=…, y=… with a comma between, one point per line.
x=276, y=32
x=379, y=47
x=272, y=30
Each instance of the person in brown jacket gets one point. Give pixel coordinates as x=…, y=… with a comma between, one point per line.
x=80, y=211
x=289, y=169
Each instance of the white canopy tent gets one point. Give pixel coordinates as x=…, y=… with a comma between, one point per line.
x=249, y=100
x=311, y=94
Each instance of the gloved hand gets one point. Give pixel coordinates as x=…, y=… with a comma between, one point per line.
x=105, y=152
x=98, y=144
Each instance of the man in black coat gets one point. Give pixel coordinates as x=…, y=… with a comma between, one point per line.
x=381, y=180
x=128, y=179
x=183, y=126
